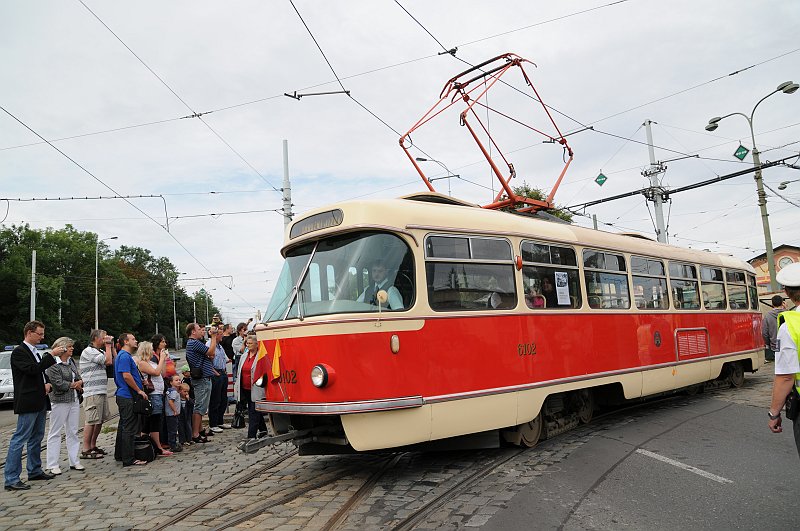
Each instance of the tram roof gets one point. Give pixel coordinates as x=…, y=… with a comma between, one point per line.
x=434, y=212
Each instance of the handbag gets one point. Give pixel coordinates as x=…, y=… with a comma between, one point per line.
x=142, y=406
x=238, y=418
x=79, y=392
x=793, y=404
x=143, y=448
x=147, y=385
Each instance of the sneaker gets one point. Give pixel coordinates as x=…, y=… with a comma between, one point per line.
x=55, y=470
x=216, y=429
x=188, y=443
x=225, y=426
x=79, y=467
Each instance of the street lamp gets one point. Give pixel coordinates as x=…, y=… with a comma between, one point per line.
x=788, y=87
x=449, y=173
x=174, y=309
x=782, y=186
x=96, y=260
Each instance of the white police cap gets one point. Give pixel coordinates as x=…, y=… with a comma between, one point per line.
x=789, y=276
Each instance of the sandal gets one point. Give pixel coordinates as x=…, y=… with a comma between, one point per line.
x=90, y=454
x=98, y=450
x=136, y=463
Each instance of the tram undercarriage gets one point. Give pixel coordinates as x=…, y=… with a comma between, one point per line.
x=561, y=412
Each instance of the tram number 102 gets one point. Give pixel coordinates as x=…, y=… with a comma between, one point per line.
x=526, y=349
x=288, y=377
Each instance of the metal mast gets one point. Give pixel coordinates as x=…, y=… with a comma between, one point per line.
x=655, y=192
x=287, y=188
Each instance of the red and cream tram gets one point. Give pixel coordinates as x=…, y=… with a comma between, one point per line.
x=425, y=320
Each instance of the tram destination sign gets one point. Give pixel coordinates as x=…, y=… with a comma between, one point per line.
x=320, y=221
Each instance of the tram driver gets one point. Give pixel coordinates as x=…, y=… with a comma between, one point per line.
x=380, y=281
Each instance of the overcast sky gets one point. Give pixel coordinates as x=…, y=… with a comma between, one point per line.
x=609, y=65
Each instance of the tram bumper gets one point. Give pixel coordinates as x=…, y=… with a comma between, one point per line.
x=361, y=425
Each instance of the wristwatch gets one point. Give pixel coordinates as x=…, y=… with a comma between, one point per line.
x=773, y=417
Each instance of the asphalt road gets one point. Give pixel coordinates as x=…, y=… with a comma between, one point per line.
x=709, y=464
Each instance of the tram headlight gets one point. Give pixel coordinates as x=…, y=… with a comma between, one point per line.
x=320, y=375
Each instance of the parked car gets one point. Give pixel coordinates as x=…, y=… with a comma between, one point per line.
x=6, y=381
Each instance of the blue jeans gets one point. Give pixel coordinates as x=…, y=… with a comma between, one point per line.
x=30, y=431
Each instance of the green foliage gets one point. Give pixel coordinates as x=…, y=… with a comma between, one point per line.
x=134, y=287
x=526, y=190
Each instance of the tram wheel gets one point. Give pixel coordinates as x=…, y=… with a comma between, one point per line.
x=531, y=432
x=736, y=376
x=585, y=402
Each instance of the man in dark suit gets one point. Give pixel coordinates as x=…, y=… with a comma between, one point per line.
x=30, y=405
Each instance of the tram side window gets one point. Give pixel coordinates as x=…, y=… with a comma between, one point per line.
x=683, y=280
x=713, y=288
x=752, y=289
x=547, y=286
x=737, y=289
x=649, y=284
x=459, y=277
x=605, y=288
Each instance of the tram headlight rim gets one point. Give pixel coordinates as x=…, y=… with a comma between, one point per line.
x=319, y=376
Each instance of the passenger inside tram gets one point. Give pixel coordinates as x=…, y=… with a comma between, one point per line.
x=534, y=298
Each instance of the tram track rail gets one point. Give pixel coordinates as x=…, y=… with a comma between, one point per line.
x=249, y=476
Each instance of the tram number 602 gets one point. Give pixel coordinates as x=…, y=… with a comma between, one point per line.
x=288, y=377
x=526, y=349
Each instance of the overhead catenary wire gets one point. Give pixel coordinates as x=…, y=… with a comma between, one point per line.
x=194, y=114
x=107, y=186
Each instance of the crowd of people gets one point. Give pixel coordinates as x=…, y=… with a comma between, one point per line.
x=156, y=400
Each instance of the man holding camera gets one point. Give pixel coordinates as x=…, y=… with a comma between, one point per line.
x=30, y=405
x=94, y=360
x=219, y=384
x=200, y=359
x=129, y=389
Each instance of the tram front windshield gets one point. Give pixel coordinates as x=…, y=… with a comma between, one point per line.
x=344, y=274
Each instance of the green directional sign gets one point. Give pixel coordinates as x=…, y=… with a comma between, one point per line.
x=741, y=152
x=600, y=179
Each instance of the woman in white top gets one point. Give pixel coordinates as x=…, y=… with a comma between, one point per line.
x=66, y=409
x=152, y=367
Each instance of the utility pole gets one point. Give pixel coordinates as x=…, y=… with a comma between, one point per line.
x=33, y=286
x=656, y=192
x=287, y=188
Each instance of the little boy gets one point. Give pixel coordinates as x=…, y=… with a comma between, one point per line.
x=185, y=422
x=173, y=412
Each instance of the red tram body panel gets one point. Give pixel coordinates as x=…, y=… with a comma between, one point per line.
x=419, y=372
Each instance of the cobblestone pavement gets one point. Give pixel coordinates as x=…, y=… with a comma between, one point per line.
x=305, y=492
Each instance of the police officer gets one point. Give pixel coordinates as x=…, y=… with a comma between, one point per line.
x=787, y=364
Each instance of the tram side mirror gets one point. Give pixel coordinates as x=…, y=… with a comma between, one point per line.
x=382, y=297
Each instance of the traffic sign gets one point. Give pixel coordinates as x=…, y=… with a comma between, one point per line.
x=741, y=152
x=600, y=179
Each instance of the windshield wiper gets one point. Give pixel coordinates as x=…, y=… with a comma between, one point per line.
x=296, y=288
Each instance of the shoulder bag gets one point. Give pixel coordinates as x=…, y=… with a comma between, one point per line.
x=142, y=406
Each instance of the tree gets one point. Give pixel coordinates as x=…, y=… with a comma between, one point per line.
x=134, y=287
x=530, y=192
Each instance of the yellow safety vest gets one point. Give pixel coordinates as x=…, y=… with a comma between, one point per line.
x=792, y=320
